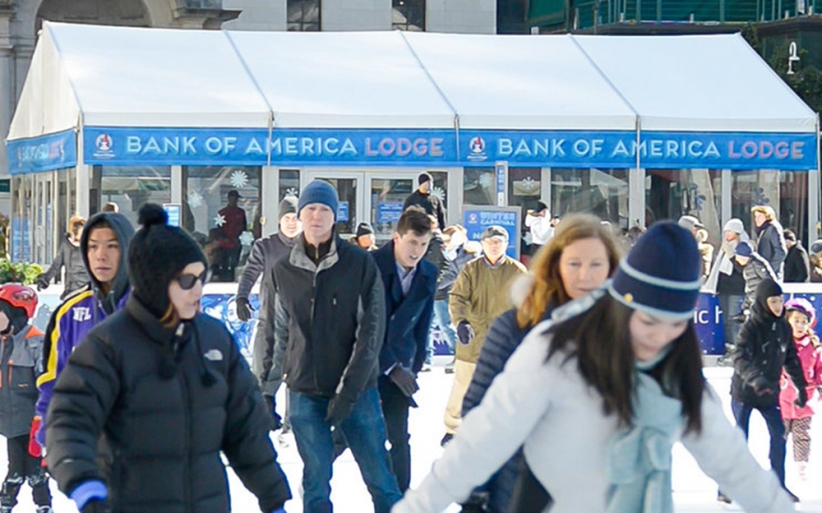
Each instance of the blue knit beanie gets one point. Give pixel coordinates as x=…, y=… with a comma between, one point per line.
x=319, y=192
x=662, y=273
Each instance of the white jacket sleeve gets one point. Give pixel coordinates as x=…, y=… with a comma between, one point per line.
x=514, y=404
x=722, y=453
x=541, y=229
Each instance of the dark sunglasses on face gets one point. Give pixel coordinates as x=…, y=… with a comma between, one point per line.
x=187, y=281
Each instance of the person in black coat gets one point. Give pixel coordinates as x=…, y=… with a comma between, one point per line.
x=156, y=393
x=770, y=239
x=765, y=346
x=423, y=198
x=264, y=254
x=410, y=284
x=797, y=263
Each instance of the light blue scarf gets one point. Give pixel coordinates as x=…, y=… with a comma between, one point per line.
x=639, y=458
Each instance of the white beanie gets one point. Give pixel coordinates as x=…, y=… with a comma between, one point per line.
x=734, y=225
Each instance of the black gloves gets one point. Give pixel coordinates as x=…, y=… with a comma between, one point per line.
x=762, y=386
x=465, y=333
x=404, y=379
x=339, y=408
x=243, y=309
x=96, y=506
x=42, y=282
x=802, y=398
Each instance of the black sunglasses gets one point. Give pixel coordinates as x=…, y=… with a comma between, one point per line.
x=187, y=281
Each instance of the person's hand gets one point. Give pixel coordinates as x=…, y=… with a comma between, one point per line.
x=281, y=510
x=802, y=398
x=96, y=506
x=339, y=408
x=404, y=379
x=762, y=386
x=465, y=333
x=42, y=282
x=34, y=447
x=243, y=309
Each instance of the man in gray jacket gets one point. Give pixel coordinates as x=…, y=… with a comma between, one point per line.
x=264, y=254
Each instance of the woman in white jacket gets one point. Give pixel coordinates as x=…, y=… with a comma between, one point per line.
x=598, y=396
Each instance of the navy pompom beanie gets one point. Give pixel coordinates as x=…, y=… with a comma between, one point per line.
x=662, y=274
x=319, y=192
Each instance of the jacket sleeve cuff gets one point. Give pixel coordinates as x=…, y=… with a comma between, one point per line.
x=90, y=490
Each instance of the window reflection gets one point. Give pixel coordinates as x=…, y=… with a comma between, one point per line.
x=408, y=15
x=130, y=187
x=602, y=192
x=303, y=15
x=672, y=193
x=785, y=191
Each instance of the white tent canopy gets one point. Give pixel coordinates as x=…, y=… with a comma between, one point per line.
x=85, y=75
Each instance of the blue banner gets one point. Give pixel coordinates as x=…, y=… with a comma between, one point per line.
x=666, y=150
x=389, y=212
x=45, y=153
x=201, y=146
x=342, y=211
x=476, y=219
x=174, y=211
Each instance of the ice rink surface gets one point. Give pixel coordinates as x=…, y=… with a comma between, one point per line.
x=693, y=491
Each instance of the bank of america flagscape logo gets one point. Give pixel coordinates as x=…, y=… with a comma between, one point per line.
x=477, y=147
x=104, y=143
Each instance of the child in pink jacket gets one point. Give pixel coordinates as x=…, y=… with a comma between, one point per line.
x=802, y=317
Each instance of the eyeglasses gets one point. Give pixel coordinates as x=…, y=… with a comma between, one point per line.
x=187, y=281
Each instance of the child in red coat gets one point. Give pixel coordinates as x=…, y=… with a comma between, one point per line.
x=802, y=317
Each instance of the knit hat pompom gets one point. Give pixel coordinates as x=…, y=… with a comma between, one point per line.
x=151, y=214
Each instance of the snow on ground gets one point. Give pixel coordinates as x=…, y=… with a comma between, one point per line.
x=693, y=491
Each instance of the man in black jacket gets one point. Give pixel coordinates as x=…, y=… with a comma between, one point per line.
x=410, y=284
x=797, y=263
x=264, y=254
x=423, y=198
x=330, y=318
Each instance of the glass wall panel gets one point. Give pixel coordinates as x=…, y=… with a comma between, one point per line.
x=387, y=199
x=130, y=187
x=21, y=224
x=602, y=192
x=672, y=193
x=225, y=226
x=289, y=183
x=785, y=191
x=478, y=185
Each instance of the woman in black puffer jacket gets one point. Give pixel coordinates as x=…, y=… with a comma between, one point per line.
x=165, y=390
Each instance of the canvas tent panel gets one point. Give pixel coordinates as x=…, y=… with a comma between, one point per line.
x=47, y=103
x=521, y=82
x=714, y=83
x=158, y=77
x=342, y=80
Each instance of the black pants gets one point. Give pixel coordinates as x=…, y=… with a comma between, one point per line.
x=23, y=466
x=395, y=411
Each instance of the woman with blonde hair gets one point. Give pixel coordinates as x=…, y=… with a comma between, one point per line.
x=580, y=256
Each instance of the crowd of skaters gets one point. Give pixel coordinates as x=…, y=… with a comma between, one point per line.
x=574, y=360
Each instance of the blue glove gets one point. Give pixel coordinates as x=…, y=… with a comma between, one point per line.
x=92, y=494
x=465, y=333
x=281, y=510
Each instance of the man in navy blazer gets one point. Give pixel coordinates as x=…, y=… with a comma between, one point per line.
x=410, y=285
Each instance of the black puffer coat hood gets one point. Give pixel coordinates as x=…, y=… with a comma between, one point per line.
x=760, y=310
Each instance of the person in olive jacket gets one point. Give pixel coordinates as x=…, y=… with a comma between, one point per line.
x=149, y=401
x=764, y=347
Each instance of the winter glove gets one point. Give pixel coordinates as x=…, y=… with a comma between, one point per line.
x=281, y=510
x=802, y=398
x=276, y=420
x=762, y=386
x=339, y=408
x=34, y=447
x=42, y=282
x=465, y=333
x=243, y=309
x=404, y=379
x=96, y=506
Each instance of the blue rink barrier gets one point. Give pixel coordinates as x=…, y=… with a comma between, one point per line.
x=219, y=302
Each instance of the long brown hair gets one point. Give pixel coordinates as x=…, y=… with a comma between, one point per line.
x=600, y=340
x=547, y=286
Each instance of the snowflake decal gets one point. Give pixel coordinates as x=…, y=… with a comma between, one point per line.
x=247, y=238
x=439, y=193
x=219, y=220
x=195, y=199
x=238, y=179
x=291, y=191
x=486, y=180
x=529, y=184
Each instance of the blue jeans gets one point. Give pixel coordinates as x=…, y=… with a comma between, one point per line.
x=776, y=428
x=364, y=431
x=443, y=319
